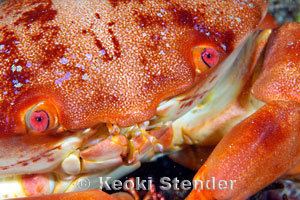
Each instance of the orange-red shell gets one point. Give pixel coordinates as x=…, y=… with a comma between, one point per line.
x=280, y=78
x=108, y=61
x=254, y=153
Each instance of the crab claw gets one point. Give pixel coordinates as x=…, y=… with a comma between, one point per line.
x=108, y=153
x=254, y=154
x=34, y=185
x=27, y=155
x=280, y=77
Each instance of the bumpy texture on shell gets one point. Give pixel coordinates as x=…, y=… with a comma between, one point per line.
x=108, y=61
x=280, y=79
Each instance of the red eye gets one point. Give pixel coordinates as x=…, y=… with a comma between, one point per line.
x=39, y=121
x=210, y=57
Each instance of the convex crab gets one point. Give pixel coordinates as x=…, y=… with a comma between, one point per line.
x=92, y=88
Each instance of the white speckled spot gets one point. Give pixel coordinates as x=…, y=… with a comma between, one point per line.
x=64, y=61
x=13, y=68
x=238, y=19
x=89, y=56
x=102, y=52
x=18, y=85
x=28, y=64
x=61, y=80
x=19, y=68
x=162, y=52
x=85, y=77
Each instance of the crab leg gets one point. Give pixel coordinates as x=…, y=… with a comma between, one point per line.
x=266, y=145
x=254, y=154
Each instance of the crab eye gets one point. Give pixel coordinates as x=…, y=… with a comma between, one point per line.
x=210, y=57
x=205, y=57
x=41, y=118
x=39, y=121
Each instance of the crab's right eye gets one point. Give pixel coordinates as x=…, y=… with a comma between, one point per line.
x=39, y=121
x=205, y=57
x=210, y=57
x=41, y=118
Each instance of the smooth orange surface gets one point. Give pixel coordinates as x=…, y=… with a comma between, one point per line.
x=269, y=22
x=255, y=153
x=89, y=195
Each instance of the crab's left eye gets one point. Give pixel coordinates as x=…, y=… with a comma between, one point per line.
x=39, y=121
x=41, y=118
x=205, y=57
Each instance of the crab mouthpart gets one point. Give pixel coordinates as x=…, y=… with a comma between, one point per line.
x=27, y=155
